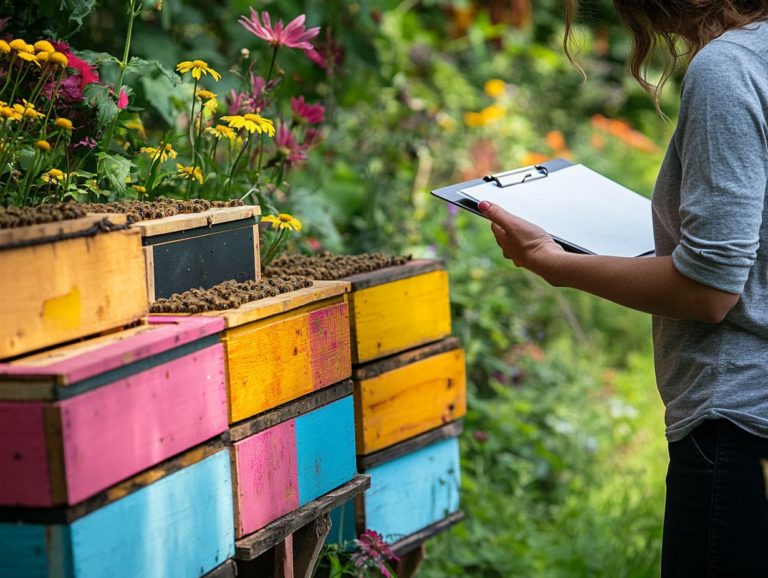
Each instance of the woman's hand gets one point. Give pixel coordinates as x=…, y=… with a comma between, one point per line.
x=524, y=243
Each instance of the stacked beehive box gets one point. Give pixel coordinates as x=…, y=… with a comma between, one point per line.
x=111, y=456
x=291, y=414
x=410, y=392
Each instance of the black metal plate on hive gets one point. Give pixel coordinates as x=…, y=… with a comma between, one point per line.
x=194, y=260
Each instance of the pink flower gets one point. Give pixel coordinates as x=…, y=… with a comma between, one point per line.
x=327, y=54
x=86, y=72
x=294, y=35
x=122, y=100
x=288, y=146
x=310, y=113
x=312, y=137
x=88, y=142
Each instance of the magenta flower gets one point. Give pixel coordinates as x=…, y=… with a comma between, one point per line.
x=309, y=113
x=288, y=145
x=373, y=552
x=294, y=35
x=122, y=100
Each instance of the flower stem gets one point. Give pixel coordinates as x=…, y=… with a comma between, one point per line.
x=237, y=160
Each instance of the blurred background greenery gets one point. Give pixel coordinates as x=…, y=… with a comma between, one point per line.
x=563, y=450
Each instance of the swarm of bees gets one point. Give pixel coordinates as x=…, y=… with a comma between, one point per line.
x=229, y=295
x=11, y=217
x=136, y=211
x=328, y=267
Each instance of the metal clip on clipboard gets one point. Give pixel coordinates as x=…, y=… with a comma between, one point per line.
x=517, y=176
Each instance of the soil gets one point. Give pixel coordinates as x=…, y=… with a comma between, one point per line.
x=328, y=267
x=12, y=217
x=145, y=210
x=229, y=295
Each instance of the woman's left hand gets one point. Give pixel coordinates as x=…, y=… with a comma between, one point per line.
x=524, y=243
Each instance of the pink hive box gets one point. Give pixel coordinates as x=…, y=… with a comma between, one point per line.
x=80, y=418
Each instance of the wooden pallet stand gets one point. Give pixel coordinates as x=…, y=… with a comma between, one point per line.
x=204, y=249
x=408, y=394
x=68, y=280
x=415, y=491
x=398, y=308
x=290, y=546
x=174, y=521
x=286, y=458
x=80, y=418
x=284, y=347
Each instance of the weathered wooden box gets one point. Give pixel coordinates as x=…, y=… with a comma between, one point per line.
x=67, y=280
x=174, y=521
x=415, y=491
x=183, y=252
x=80, y=418
x=288, y=457
x=281, y=348
x=408, y=394
x=398, y=308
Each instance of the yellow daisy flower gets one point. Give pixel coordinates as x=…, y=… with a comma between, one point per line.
x=283, y=221
x=58, y=58
x=42, y=56
x=64, y=123
x=198, y=68
x=221, y=131
x=252, y=123
x=203, y=94
x=21, y=46
x=54, y=176
x=27, y=110
x=166, y=153
x=139, y=189
x=43, y=145
x=190, y=173
x=44, y=46
x=493, y=113
x=5, y=48
x=10, y=113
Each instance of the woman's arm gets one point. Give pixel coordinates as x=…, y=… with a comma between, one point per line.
x=649, y=284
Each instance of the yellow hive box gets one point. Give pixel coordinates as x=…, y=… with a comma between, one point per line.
x=66, y=280
x=398, y=308
x=409, y=394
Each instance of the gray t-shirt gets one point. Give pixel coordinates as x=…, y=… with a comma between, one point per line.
x=709, y=213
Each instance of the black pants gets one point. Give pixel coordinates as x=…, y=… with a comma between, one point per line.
x=716, y=519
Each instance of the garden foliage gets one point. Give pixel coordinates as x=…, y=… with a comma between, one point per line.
x=563, y=452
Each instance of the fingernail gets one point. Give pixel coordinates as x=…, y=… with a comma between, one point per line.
x=484, y=206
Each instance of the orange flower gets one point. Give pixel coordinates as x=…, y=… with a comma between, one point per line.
x=531, y=158
x=555, y=140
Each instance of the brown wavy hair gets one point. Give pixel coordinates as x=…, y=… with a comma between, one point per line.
x=677, y=29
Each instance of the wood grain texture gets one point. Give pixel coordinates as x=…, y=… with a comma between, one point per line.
x=285, y=412
x=37, y=376
x=284, y=357
x=399, y=315
x=266, y=484
x=69, y=289
x=44, y=231
x=389, y=274
x=308, y=543
x=149, y=268
x=94, y=440
x=257, y=251
x=24, y=475
x=254, y=545
x=413, y=492
x=325, y=448
x=178, y=527
x=118, y=430
x=264, y=308
x=449, y=430
x=410, y=400
x=227, y=570
x=177, y=223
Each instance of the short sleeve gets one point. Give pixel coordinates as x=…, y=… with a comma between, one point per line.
x=722, y=140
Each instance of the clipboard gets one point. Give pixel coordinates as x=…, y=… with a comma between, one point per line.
x=581, y=209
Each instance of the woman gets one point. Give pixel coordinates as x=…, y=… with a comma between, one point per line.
x=707, y=286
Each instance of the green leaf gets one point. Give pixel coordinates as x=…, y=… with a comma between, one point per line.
x=99, y=97
x=143, y=67
x=96, y=58
x=115, y=170
x=77, y=9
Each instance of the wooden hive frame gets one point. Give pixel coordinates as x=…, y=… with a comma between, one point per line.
x=70, y=279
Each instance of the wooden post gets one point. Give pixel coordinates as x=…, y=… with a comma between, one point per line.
x=409, y=563
x=309, y=543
